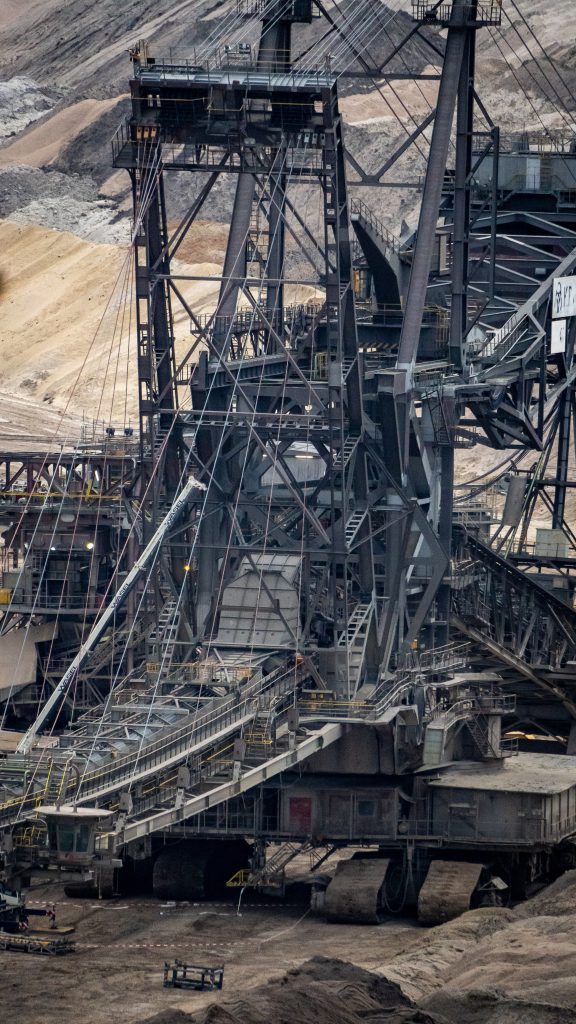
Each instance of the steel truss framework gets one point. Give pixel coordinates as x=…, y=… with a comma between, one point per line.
x=60, y=574
x=321, y=554
x=370, y=532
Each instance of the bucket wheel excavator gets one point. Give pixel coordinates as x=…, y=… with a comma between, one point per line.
x=317, y=637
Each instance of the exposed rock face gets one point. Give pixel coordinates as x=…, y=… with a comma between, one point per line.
x=22, y=101
x=66, y=69
x=64, y=73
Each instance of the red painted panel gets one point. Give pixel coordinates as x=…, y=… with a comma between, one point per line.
x=301, y=813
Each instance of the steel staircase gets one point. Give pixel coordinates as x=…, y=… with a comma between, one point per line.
x=478, y=728
x=442, y=433
x=272, y=874
x=357, y=624
x=257, y=243
x=163, y=637
x=353, y=525
x=342, y=457
x=361, y=213
x=354, y=638
x=55, y=784
x=287, y=518
x=507, y=342
x=158, y=444
x=259, y=737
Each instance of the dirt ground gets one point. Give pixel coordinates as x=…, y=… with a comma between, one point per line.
x=116, y=972
x=491, y=966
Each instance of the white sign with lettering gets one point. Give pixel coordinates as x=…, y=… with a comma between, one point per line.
x=564, y=297
x=558, y=337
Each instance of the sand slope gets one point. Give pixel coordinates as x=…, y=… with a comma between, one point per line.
x=40, y=145
x=67, y=327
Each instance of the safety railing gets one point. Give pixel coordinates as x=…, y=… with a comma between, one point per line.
x=200, y=67
x=539, y=181
x=467, y=827
x=429, y=381
x=132, y=145
x=562, y=549
x=29, y=838
x=566, y=196
x=451, y=655
x=553, y=140
x=334, y=708
x=224, y=819
x=290, y=318
x=500, y=344
x=38, y=601
x=434, y=318
x=227, y=713
x=484, y=704
x=20, y=806
x=295, y=10
x=56, y=499
x=358, y=208
x=563, y=828
x=469, y=14
x=393, y=690
x=462, y=570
